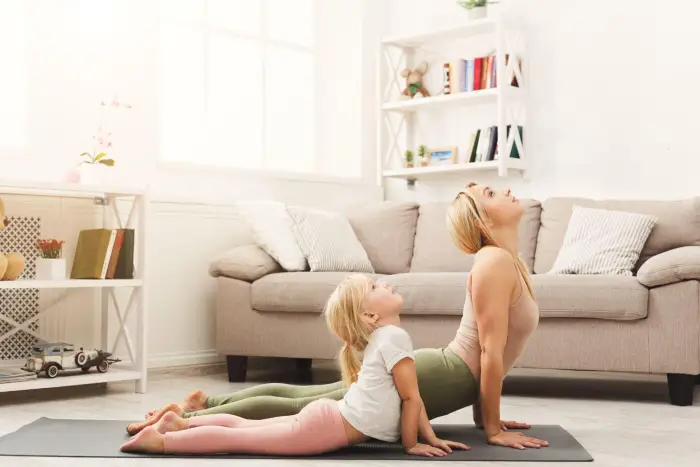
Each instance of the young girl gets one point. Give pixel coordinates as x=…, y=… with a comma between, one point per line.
x=382, y=401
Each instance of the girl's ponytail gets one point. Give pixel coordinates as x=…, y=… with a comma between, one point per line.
x=349, y=365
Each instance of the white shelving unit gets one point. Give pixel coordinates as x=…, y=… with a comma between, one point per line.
x=106, y=196
x=508, y=100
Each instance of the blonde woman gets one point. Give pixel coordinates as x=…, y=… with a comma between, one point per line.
x=499, y=315
x=382, y=401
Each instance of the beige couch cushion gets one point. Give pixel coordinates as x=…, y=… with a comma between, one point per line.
x=245, y=263
x=678, y=225
x=671, y=266
x=434, y=250
x=305, y=292
x=430, y=293
x=386, y=231
x=590, y=296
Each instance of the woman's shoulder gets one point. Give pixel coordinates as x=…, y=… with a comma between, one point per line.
x=493, y=256
x=494, y=262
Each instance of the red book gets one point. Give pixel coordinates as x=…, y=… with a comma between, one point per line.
x=477, y=73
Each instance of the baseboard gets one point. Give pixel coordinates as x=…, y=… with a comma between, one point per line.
x=174, y=359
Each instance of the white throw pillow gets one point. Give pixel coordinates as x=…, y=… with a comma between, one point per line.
x=600, y=241
x=328, y=241
x=272, y=231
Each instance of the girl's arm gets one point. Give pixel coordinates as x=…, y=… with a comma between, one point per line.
x=493, y=279
x=414, y=418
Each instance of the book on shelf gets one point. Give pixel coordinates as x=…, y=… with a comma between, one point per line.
x=104, y=254
x=472, y=74
x=483, y=144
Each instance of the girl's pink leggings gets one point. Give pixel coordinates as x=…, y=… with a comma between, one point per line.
x=318, y=428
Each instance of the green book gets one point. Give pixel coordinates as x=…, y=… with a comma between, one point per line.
x=125, y=262
x=93, y=253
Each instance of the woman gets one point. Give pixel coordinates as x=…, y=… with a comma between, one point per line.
x=499, y=316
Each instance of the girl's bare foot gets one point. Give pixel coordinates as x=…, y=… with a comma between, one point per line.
x=171, y=422
x=194, y=401
x=134, y=428
x=149, y=440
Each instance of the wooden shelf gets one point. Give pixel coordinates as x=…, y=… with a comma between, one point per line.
x=68, y=190
x=70, y=283
x=471, y=28
x=417, y=173
x=73, y=378
x=461, y=99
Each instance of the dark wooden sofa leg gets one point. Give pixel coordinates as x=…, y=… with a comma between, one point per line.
x=236, y=367
x=303, y=370
x=681, y=388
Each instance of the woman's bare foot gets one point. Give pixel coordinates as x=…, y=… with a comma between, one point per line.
x=171, y=422
x=196, y=400
x=134, y=428
x=149, y=440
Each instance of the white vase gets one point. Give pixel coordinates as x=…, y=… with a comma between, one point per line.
x=93, y=174
x=477, y=13
x=48, y=269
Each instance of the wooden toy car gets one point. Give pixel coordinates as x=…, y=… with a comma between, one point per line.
x=52, y=357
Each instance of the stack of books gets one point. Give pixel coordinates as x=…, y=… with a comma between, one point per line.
x=483, y=144
x=104, y=254
x=15, y=375
x=471, y=75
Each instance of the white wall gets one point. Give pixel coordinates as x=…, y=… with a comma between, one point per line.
x=613, y=91
x=80, y=51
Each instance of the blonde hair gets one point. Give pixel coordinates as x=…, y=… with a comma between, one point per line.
x=344, y=318
x=465, y=221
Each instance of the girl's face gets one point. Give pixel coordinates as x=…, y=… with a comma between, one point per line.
x=382, y=300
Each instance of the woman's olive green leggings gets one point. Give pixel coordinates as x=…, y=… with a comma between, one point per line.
x=445, y=383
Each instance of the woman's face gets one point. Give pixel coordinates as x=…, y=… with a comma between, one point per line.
x=382, y=300
x=501, y=206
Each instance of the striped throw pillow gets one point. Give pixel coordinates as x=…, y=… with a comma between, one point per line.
x=328, y=241
x=600, y=241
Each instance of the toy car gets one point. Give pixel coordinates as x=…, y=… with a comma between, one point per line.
x=52, y=357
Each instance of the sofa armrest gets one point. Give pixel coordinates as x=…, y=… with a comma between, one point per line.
x=671, y=266
x=246, y=263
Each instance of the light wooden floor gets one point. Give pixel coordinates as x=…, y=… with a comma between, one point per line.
x=622, y=422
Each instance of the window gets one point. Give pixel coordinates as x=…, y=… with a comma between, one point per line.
x=12, y=77
x=239, y=83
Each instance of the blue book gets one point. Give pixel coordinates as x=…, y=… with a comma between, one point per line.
x=470, y=75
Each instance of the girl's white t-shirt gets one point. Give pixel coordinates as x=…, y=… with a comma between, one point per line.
x=372, y=404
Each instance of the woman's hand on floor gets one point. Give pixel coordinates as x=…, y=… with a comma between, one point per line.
x=517, y=440
x=510, y=425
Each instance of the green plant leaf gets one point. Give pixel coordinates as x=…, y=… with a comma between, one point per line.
x=86, y=154
x=109, y=162
x=100, y=156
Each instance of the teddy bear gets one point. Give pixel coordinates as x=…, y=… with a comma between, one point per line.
x=11, y=264
x=414, y=82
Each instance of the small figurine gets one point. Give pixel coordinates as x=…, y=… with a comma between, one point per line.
x=52, y=357
x=414, y=82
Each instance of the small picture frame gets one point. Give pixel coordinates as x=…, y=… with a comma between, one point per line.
x=443, y=155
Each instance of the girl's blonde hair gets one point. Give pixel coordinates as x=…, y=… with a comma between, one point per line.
x=465, y=221
x=344, y=318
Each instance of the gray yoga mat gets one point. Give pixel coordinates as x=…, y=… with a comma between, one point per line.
x=47, y=437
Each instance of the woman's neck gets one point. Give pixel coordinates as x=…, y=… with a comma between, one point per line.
x=507, y=239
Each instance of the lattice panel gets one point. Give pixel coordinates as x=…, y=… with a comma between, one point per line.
x=19, y=305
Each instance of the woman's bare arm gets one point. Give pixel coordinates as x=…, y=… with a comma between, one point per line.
x=493, y=279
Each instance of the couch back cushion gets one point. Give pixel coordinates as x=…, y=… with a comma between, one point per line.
x=386, y=231
x=434, y=250
x=678, y=225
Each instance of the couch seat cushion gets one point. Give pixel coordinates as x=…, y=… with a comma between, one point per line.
x=430, y=293
x=305, y=292
x=590, y=296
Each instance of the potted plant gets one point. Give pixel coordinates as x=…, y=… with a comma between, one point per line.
x=50, y=265
x=476, y=9
x=93, y=169
x=409, y=158
x=421, y=154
